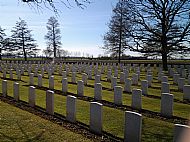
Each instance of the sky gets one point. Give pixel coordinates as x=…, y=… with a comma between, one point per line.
x=82, y=30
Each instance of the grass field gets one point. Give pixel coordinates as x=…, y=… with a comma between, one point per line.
x=17, y=125
x=155, y=128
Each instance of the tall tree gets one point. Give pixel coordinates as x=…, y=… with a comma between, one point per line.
x=53, y=36
x=160, y=27
x=2, y=39
x=23, y=42
x=116, y=39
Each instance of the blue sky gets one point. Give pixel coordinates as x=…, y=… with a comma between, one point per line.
x=81, y=29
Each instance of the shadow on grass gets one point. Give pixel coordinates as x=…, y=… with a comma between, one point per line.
x=78, y=127
x=24, y=137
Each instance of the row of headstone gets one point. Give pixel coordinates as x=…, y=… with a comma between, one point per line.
x=133, y=120
x=165, y=86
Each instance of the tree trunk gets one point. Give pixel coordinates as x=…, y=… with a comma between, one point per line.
x=25, y=57
x=164, y=40
x=119, y=59
x=120, y=33
x=0, y=54
x=54, y=45
x=23, y=46
x=54, y=49
x=164, y=61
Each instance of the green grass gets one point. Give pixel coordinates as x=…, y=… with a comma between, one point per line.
x=20, y=126
x=113, y=119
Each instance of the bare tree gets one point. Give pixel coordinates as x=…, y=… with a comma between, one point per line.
x=160, y=27
x=52, y=3
x=53, y=36
x=62, y=53
x=23, y=42
x=47, y=52
x=116, y=39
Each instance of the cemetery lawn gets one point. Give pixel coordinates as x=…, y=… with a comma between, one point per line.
x=17, y=125
x=153, y=128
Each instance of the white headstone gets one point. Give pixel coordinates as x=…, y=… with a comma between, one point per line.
x=39, y=80
x=50, y=102
x=176, y=78
x=11, y=73
x=19, y=75
x=118, y=90
x=98, y=91
x=127, y=87
x=144, y=87
x=32, y=96
x=164, y=79
x=64, y=74
x=109, y=75
x=84, y=78
x=4, y=74
x=31, y=79
x=97, y=79
x=51, y=82
x=116, y=73
x=181, y=83
x=186, y=92
x=16, y=91
x=4, y=88
x=135, y=79
x=122, y=77
x=73, y=78
x=149, y=79
x=96, y=117
x=189, y=79
x=167, y=104
x=136, y=99
x=80, y=88
x=71, y=108
x=180, y=132
x=113, y=82
x=165, y=88
x=90, y=74
x=133, y=127
x=64, y=85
